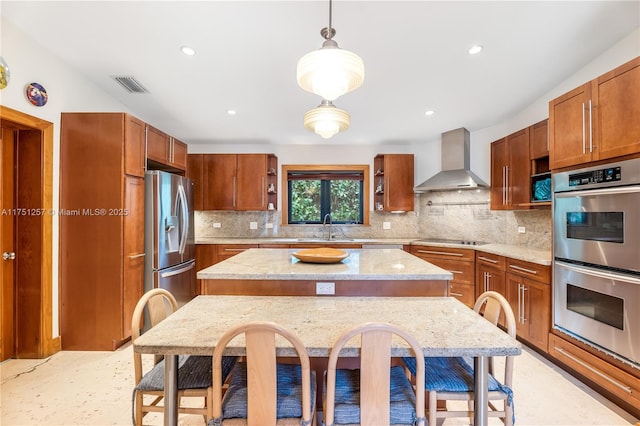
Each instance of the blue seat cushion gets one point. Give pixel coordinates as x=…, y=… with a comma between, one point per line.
x=347, y=397
x=289, y=392
x=452, y=374
x=194, y=372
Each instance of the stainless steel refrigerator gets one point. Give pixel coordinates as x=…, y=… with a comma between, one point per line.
x=169, y=235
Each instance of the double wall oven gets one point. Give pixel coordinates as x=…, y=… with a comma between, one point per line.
x=596, y=288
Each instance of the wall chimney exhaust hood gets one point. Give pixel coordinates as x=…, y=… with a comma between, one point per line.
x=455, y=173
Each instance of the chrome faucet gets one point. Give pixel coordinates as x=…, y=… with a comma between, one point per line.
x=324, y=225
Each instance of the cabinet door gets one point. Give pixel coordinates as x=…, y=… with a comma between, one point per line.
x=158, y=145
x=539, y=140
x=519, y=169
x=134, y=144
x=616, y=96
x=178, y=154
x=133, y=244
x=531, y=305
x=251, y=190
x=499, y=162
x=569, y=130
x=398, y=182
x=206, y=255
x=219, y=188
x=489, y=278
x=195, y=173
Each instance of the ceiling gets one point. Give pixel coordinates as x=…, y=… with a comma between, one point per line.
x=246, y=53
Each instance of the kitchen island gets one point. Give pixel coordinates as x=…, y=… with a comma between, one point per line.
x=365, y=272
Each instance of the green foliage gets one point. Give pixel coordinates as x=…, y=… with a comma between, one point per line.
x=306, y=201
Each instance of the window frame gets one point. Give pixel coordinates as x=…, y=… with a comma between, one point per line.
x=360, y=168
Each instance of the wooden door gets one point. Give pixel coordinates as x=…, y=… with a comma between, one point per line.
x=220, y=183
x=537, y=312
x=7, y=206
x=178, y=154
x=616, y=96
x=134, y=255
x=251, y=192
x=399, y=182
x=499, y=161
x=519, y=169
x=569, y=129
x=134, y=146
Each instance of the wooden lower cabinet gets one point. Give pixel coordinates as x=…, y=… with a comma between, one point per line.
x=490, y=273
x=460, y=262
x=620, y=381
x=529, y=294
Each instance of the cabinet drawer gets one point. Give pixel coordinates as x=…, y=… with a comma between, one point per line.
x=463, y=292
x=224, y=251
x=433, y=252
x=463, y=272
x=618, y=382
x=483, y=258
x=530, y=270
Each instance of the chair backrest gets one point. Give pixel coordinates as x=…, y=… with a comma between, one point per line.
x=260, y=343
x=375, y=365
x=495, y=304
x=160, y=304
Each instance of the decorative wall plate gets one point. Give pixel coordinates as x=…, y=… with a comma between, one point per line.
x=36, y=94
x=5, y=74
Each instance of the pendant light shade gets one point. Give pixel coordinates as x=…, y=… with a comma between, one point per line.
x=330, y=72
x=326, y=120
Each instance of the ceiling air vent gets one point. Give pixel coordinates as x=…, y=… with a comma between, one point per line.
x=130, y=84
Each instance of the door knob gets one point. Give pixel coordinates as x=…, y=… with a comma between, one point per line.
x=8, y=255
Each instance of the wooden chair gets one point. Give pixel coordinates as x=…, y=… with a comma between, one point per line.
x=261, y=391
x=452, y=378
x=377, y=394
x=194, y=372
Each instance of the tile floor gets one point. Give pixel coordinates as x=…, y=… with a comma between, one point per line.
x=94, y=388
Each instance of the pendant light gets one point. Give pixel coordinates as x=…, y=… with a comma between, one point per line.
x=330, y=71
x=326, y=120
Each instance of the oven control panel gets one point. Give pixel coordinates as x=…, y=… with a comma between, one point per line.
x=610, y=174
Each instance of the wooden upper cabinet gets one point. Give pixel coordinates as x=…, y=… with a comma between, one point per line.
x=539, y=140
x=195, y=173
x=598, y=120
x=219, y=181
x=393, y=182
x=235, y=181
x=165, y=152
x=134, y=146
x=511, y=172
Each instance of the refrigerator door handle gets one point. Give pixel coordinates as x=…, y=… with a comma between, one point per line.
x=174, y=272
x=184, y=217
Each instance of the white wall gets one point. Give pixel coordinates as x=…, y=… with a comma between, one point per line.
x=68, y=91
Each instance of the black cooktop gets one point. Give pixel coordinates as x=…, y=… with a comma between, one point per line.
x=452, y=241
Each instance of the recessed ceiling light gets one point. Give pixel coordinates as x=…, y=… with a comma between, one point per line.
x=475, y=49
x=188, y=50
x=231, y=111
x=429, y=112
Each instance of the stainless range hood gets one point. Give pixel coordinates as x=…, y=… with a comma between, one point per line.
x=455, y=173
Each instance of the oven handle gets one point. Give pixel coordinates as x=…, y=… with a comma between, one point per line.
x=594, y=192
x=600, y=274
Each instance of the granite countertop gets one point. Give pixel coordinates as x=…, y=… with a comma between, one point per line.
x=442, y=326
x=279, y=264
x=528, y=254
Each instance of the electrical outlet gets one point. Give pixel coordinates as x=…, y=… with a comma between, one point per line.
x=521, y=230
x=253, y=225
x=386, y=225
x=268, y=225
x=326, y=288
x=217, y=225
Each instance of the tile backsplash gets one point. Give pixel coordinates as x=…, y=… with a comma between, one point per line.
x=439, y=214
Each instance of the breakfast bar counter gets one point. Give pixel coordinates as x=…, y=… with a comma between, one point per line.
x=365, y=272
